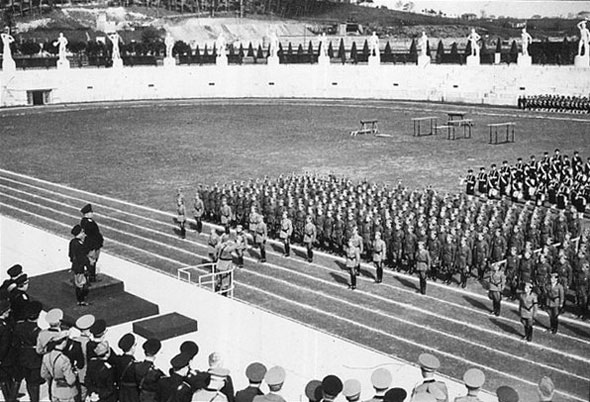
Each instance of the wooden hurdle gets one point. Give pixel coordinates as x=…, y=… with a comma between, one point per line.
x=494, y=132
x=367, y=127
x=418, y=125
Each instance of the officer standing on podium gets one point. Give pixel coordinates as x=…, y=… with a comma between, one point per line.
x=93, y=241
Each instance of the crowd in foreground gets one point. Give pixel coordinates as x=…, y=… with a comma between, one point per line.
x=554, y=179
x=555, y=103
x=440, y=236
x=78, y=364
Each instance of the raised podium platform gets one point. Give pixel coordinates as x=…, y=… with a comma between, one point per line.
x=165, y=326
x=108, y=299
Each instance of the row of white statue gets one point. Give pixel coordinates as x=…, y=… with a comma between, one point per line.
x=581, y=60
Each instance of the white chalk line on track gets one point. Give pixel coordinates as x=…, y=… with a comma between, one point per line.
x=513, y=306
x=349, y=321
x=380, y=298
x=406, y=305
x=352, y=103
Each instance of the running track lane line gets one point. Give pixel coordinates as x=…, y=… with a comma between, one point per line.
x=313, y=278
x=363, y=326
x=364, y=308
x=513, y=306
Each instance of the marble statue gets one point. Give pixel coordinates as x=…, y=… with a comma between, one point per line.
x=584, y=38
x=169, y=42
x=7, y=39
x=423, y=43
x=323, y=45
x=114, y=38
x=374, y=45
x=274, y=44
x=526, y=41
x=220, y=45
x=473, y=39
x=62, y=42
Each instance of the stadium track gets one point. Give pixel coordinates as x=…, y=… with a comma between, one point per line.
x=453, y=323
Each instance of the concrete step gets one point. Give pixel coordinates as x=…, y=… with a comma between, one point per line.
x=107, y=285
x=165, y=326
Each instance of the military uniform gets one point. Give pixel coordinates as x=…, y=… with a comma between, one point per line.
x=496, y=287
x=473, y=380
x=285, y=234
x=528, y=310
x=57, y=369
x=93, y=242
x=199, y=211
x=379, y=254
x=555, y=303
x=7, y=357
x=353, y=258
x=174, y=389
x=260, y=239
x=423, y=267
x=224, y=264
x=181, y=218
x=28, y=360
x=212, y=245
x=147, y=376
x=309, y=237
x=80, y=263
x=101, y=379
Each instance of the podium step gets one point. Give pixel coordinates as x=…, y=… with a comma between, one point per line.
x=108, y=299
x=107, y=286
x=165, y=326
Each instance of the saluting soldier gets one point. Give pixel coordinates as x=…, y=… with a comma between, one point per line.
x=93, y=241
x=225, y=213
x=199, y=211
x=379, y=254
x=260, y=238
x=528, y=310
x=285, y=233
x=212, y=245
x=79, y=259
x=496, y=288
x=125, y=366
x=353, y=260
x=428, y=366
x=57, y=370
x=555, y=302
x=309, y=237
x=423, y=263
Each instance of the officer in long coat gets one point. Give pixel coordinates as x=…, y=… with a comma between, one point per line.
x=309, y=237
x=93, y=241
x=80, y=263
x=379, y=250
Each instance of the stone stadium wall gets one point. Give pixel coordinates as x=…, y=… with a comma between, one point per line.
x=489, y=84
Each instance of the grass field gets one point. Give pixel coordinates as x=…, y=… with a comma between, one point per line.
x=142, y=152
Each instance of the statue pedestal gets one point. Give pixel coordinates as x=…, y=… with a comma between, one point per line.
x=323, y=60
x=272, y=60
x=8, y=65
x=497, y=58
x=524, y=60
x=169, y=62
x=63, y=64
x=374, y=61
x=582, y=61
x=117, y=63
x=472, y=61
x=221, y=60
x=423, y=60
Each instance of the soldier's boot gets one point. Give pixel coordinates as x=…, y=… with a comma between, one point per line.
x=309, y=255
x=352, y=279
x=379, y=273
x=182, y=231
x=287, y=250
x=463, y=280
x=34, y=392
x=241, y=261
x=262, y=254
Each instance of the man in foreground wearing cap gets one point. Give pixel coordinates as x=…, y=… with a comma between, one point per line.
x=7, y=382
x=19, y=298
x=13, y=272
x=101, y=375
x=212, y=391
x=215, y=362
x=507, y=394
x=29, y=361
x=83, y=324
x=331, y=388
x=255, y=373
x=428, y=365
x=313, y=391
x=528, y=310
x=395, y=395
x=473, y=380
x=196, y=379
x=53, y=318
x=352, y=390
x=124, y=365
x=79, y=259
x=57, y=370
x=275, y=377
x=93, y=241
x=147, y=374
x=545, y=389
x=381, y=380
x=555, y=302
x=175, y=388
